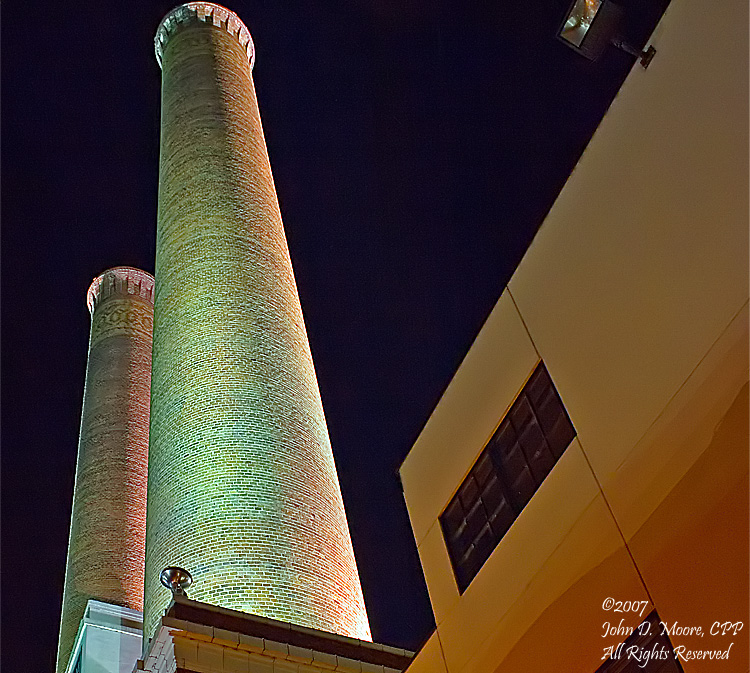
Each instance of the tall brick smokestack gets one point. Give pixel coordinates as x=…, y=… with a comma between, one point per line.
x=108, y=523
x=243, y=490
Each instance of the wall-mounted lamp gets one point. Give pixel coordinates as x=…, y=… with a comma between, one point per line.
x=176, y=580
x=590, y=25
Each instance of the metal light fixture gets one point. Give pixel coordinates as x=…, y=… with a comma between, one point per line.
x=176, y=580
x=590, y=25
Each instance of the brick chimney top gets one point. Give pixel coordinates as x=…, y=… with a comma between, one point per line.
x=208, y=12
x=123, y=281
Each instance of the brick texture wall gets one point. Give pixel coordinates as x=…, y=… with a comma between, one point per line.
x=243, y=490
x=107, y=532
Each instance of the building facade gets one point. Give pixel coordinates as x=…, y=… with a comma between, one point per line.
x=634, y=298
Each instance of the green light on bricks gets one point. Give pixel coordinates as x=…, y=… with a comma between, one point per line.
x=243, y=490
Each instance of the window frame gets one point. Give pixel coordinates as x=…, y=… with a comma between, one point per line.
x=491, y=495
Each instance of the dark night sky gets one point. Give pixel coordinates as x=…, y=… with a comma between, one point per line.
x=416, y=148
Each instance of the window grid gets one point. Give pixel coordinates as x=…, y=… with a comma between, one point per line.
x=520, y=454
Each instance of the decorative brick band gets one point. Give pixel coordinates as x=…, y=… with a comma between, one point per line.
x=124, y=281
x=208, y=12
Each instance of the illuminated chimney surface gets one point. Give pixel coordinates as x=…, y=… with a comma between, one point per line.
x=243, y=490
x=108, y=523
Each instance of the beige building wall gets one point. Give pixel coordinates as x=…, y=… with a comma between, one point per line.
x=634, y=294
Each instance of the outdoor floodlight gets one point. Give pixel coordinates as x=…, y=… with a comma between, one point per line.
x=590, y=25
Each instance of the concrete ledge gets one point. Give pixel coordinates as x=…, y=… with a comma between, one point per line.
x=235, y=642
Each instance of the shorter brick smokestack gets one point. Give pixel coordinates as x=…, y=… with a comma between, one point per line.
x=107, y=531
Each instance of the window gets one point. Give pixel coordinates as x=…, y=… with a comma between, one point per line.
x=525, y=447
x=647, y=650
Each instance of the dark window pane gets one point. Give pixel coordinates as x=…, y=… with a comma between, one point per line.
x=453, y=517
x=461, y=541
x=521, y=414
x=548, y=410
x=507, y=452
x=468, y=493
x=463, y=577
x=500, y=513
x=501, y=519
x=538, y=386
x=541, y=463
x=475, y=519
x=485, y=542
x=503, y=440
x=484, y=470
x=522, y=489
x=469, y=565
x=465, y=556
x=536, y=451
x=560, y=436
x=493, y=495
x=551, y=415
x=514, y=464
x=531, y=436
